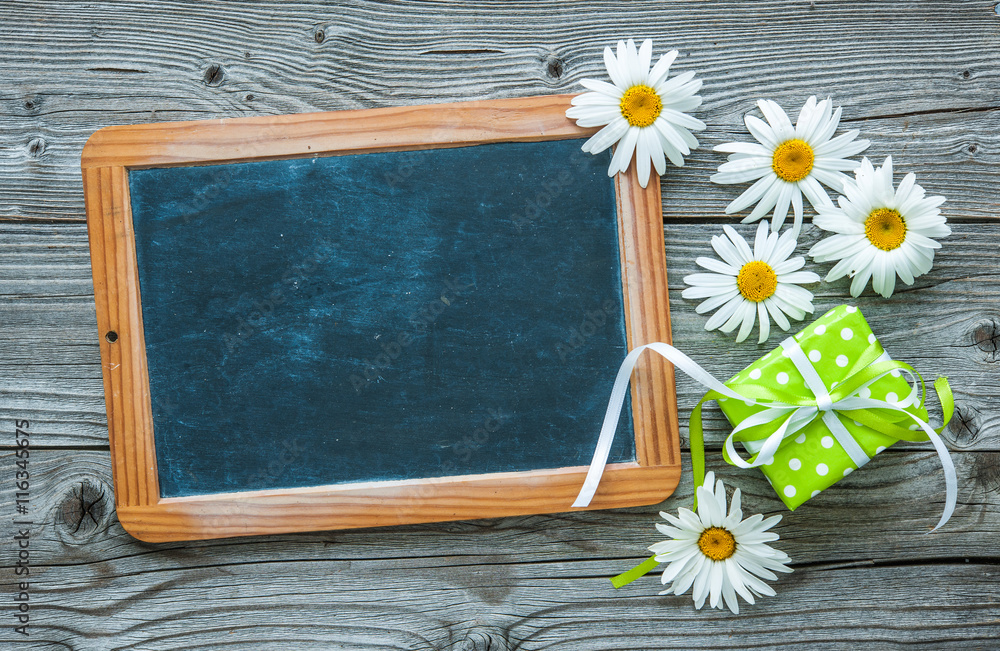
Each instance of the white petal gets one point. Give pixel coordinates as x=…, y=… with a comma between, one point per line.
x=716, y=266
x=730, y=254
x=662, y=67
x=799, y=277
x=673, y=144
x=643, y=157
x=682, y=119
x=761, y=131
x=749, y=316
x=715, y=583
x=725, y=313
x=729, y=595
x=595, y=99
x=751, y=194
x=796, y=209
x=742, y=248
x=623, y=152
x=748, y=148
x=827, y=125
x=611, y=63
x=760, y=241
x=814, y=192
x=606, y=137
x=670, y=87
x=635, y=75
x=593, y=116
x=655, y=149
x=765, y=323
x=778, y=119
x=781, y=206
x=602, y=87
x=708, y=508
x=776, y=314
x=645, y=56
x=715, y=301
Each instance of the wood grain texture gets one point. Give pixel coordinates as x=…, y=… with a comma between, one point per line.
x=918, y=79
x=164, y=144
x=647, y=310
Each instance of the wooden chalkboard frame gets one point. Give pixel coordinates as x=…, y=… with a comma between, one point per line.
x=112, y=152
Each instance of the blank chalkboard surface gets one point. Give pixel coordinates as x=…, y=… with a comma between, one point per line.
x=372, y=317
x=379, y=316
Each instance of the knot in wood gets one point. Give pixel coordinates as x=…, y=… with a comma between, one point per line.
x=964, y=426
x=36, y=147
x=986, y=337
x=319, y=35
x=215, y=74
x=554, y=67
x=986, y=471
x=484, y=640
x=84, y=510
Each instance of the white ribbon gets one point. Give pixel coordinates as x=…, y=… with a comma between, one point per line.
x=795, y=417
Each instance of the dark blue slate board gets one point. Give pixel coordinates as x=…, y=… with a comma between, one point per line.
x=381, y=316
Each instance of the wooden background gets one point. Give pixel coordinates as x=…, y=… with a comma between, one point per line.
x=920, y=79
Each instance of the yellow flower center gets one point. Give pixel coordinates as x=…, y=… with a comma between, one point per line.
x=641, y=106
x=717, y=543
x=793, y=160
x=756, y=281
x=885, y=229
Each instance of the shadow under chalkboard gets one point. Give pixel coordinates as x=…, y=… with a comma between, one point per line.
x=379, y=316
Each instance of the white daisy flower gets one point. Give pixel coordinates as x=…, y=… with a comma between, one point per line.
x=644, y=111
x=716, y=555
x=789, y=161
x=880, y=233
x=752, y=285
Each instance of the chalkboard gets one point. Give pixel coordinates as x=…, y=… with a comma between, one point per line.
x=367, y=317
x=306, y=318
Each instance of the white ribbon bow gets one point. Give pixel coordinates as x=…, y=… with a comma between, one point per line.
x=795, y=417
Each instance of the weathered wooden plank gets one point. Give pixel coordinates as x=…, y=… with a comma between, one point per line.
x=51, y=360
x=529, y=582
x=889, y=505
x=917, y=80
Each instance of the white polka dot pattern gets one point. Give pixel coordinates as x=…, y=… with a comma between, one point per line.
x=813, y=460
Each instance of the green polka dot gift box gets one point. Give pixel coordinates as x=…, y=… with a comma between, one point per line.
x=839, y=346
